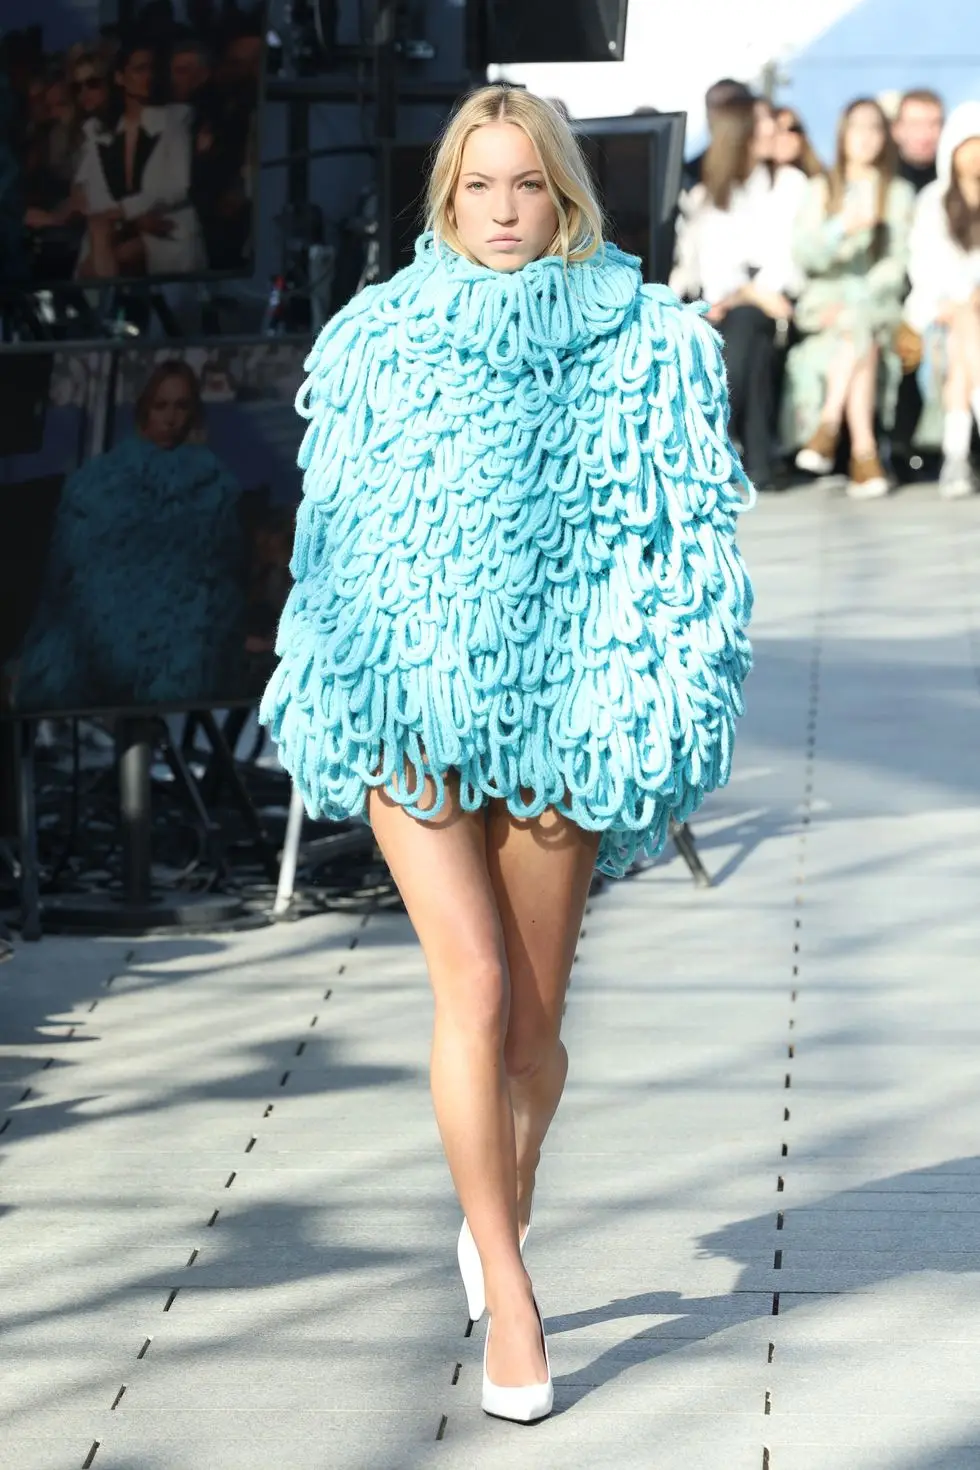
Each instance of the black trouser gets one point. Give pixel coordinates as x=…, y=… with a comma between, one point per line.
x=908, y=411
x=749, y=336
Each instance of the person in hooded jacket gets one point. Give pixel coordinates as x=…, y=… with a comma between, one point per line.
x=943, y=305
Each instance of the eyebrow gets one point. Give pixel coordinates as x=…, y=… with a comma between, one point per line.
x=472, y=173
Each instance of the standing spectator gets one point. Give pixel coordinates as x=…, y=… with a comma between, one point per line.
x=944, y=304
x=852, y=243
x=134, y=177
x=916, y=129
x=792, y=147
x=734, y=249
x=716, y=99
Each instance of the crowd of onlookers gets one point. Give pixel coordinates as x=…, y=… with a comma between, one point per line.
x=137, y=152
x=847, y=293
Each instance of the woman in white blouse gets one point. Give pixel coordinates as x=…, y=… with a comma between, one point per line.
x=734, y=250
x=134, y=178
x=944, y=303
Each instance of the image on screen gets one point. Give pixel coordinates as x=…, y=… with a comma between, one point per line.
x=128, y=148
x=147, y=532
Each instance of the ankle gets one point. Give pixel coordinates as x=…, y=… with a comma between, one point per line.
x=511, y=1296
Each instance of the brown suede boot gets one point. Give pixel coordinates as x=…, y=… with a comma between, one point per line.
x=819, y=455
x=868, y=480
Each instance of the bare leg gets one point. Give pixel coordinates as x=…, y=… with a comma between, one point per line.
x=860, y=408
x=839, y=378
x=440, y=868
x=964, y=346
x=540, y=871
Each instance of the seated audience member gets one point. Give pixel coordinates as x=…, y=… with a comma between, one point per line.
x=792, y=147
x=918, y=123
x=916, y=129
x=134, y=176
x=944, y=303
x=734, y=250
x=851, y=243
x=717, y=97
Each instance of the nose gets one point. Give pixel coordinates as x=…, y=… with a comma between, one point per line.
x=505, y=209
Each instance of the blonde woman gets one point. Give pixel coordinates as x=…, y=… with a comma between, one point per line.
x=516, y=639
x=851, y=242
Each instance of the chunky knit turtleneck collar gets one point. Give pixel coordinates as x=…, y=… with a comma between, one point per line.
x=519, y=316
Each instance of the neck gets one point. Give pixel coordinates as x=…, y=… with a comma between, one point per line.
x=133, y=109
x=856, y=173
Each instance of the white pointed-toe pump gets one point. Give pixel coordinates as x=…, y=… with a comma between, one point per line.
x=471, y=1269
x=521, y=1405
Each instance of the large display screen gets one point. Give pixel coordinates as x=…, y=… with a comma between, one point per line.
x=146, y=527
x=128, y=146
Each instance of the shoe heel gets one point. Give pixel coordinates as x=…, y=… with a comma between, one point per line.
x=471, y=1268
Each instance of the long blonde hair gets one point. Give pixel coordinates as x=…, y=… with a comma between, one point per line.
x=567, y=179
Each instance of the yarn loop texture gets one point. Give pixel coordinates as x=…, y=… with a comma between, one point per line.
x=516, y=556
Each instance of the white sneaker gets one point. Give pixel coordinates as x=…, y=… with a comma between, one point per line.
x=957, y=479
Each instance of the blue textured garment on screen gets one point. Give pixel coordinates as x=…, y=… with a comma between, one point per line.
x=516, y=554
x=143, y=596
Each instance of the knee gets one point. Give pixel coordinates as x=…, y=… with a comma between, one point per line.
x=476, y=1001
x=527, y=1053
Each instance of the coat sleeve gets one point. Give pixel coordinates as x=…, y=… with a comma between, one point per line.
x=886, y=278
x=818, y=242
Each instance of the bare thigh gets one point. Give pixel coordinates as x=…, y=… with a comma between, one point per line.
x=440, y=869
x=540, y=871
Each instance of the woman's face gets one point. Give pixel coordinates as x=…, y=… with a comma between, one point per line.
x=59, y=102
x=91, y=90
x=171, y=411
x=764, y=138
x=788, y=143
x=136, y=77
x=966, y=160
x=503, y=212
x=864, y=136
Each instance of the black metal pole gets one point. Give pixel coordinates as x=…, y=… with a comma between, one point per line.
x=134, y=747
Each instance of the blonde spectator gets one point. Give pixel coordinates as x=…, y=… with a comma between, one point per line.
x=944, y=303
x=851, y=242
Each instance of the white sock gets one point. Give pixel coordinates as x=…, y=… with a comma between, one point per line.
x=957, y=429
x=975, y=405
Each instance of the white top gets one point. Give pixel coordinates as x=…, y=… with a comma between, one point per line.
x=721, y=250
x=939, y=268
x=164, y=187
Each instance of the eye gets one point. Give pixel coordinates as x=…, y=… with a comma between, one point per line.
x=474, y=186
x=534, y=185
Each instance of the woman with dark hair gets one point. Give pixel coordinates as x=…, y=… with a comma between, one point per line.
x=734, y=250
x=134, y=177
x=792, y=147
x=851, y=242
x=944, y=303
x=144, y=594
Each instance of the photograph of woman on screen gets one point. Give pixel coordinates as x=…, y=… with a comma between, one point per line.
x=135, y=178
x=143, y=602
